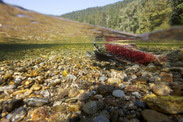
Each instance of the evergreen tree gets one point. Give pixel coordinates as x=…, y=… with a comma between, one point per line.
x=177, y=15
x=136, y=16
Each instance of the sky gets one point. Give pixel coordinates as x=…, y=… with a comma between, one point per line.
x=58, y=7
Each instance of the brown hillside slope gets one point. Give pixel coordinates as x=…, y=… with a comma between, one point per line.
x=17, y=24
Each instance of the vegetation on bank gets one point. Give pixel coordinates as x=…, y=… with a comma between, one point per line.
x=136, y=16
x=18, y=25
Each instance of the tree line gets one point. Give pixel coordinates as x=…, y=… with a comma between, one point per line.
x=136, y=16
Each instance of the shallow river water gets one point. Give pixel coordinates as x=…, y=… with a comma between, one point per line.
x=62, y=82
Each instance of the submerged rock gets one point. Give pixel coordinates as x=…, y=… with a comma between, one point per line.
x=8, y=77
x=100, y=118
x=83, y=97
x=45, y=93
x=137, y=95
x=17, y=115
x=141, y=104
x=18, y=80
x=112, y=81
x=55, y=82
x=39, y=114
x=90, y=107
x=10, y=105
x=71, y=77
x=36, y=101
x=3, y=88
x=151, y=67
x=105, y=89
x=165, y=104
x=133, y=69
x=102, y=79
x=154, y=116
x=73, y=92
x=74, y=108
x=59, y=108
x=161, y=89
x=166, y=77
x=177, y=90
x=118, y=93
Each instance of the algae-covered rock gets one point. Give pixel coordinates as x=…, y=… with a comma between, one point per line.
x=165, y=104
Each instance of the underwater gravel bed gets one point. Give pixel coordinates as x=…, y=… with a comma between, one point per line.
x=62, y=83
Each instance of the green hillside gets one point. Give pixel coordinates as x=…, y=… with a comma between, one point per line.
x=136, y=16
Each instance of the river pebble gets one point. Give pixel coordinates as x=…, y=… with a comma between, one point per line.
x=17, y=115
x=52, y=86
x=154, y=116
x=90, y=107
x=36, y=101
x=3, y=88
x=100, y=118
x=118, y=93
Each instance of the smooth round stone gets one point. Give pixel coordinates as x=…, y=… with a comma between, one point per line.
x=83, y=97
x=90, y=107
x=38, y=114
x=9, y=91
x=118, y=93
x=36, y=87
x=71, y=77
x=91, y=93
x=7, y=87
x=150, y=115
x=59, y=108
x=55, y=82
x=98, y=96
x=105, y=113
x=165, y=104
x=113, y=81
x=8, y=77
x=73, y=93
x=74, y=108
x=28, y=92
x=45, y=93
x=36, y=101
x=121, y=85
x=10, y=105
x=17, y=115
x=177, y=90
x=20, y=96
x=151, y=67
x=71, y=100
x=161, y=89
x=114, y=115
x=137, y=95
x=166, y=77
x=100, y=118
x=57, y=103
x=18, y=80
x=140, y=104
x=133, y=69
x=122, y=75
x=105, y=89
x=102, y=78
x=133, y=76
